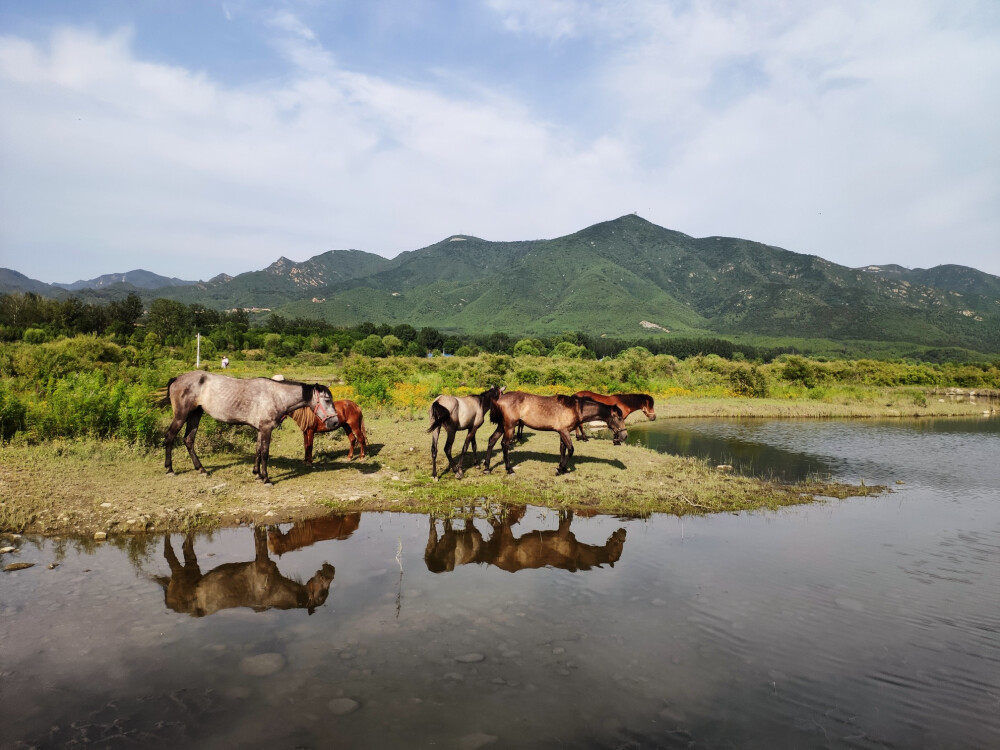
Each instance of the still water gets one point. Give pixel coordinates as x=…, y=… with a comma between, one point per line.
x=868, y=622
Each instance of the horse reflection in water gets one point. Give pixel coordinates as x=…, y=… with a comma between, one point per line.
x=257, y=584
x=312, y=530
x=535, y=549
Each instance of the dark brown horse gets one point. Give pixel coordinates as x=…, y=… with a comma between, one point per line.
x=626, y=402
x=561, y=414
x=455, y=413
x=534, y=549
x=351, y=419
x=258, y=402
x=257, y=584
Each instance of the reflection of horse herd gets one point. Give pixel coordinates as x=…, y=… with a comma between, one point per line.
x=259, y=585
x=263, y=403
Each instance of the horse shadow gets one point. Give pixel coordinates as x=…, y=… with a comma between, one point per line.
x=553, y=458
x=256, y=584
x=288, y=468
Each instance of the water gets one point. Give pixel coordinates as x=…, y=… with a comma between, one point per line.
x=868, y=622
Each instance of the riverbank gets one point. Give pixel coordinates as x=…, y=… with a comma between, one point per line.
x=88, y=486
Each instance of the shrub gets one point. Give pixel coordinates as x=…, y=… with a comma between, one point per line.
x=749, y=381
x=799, y=370
x=12, y=413
x=34, y=336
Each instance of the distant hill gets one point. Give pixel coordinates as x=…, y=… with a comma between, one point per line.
x=626, y=277
x=138, y=279
x=12, y=281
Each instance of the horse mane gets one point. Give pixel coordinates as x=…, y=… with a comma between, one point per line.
x=305, y=418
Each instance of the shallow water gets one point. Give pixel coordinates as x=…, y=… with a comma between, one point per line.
x=869, y=622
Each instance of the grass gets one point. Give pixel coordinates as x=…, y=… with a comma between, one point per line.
x=86, y=486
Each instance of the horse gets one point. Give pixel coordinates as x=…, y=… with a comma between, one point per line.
x=351, y=419
x=257, y=584
x=535, y=549
x=626, y=402
x=561, y=414
x=455, y=413
x=260, y=403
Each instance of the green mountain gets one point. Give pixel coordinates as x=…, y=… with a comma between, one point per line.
x=623, y=278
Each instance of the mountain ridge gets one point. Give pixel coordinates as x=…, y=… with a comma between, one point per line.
x=616, y=278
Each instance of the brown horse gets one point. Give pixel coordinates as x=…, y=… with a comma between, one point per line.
x=534, y=549
x=257, y=584
x=626, y=402
x=455, y=413
x=258, y=402
x=561, y=414
x=351, y=419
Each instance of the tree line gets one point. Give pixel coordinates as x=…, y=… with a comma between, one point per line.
x=32, y=318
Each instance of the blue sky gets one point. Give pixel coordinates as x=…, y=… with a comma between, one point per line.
x=192, y=138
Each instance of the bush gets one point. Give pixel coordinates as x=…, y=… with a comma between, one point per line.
x=749, y=382
x=373, y=392
x=799, y=370
x=12, y=413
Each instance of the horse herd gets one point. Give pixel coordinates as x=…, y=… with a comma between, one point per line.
x=263, y=403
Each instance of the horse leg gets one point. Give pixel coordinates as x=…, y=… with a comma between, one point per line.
x=190, y=432
x=472, y=439
x=352, y=439
x=175, y=427
x=508, y=438
x=565, y=451
x=308, y=435
x=362, y=438
x=457, y=468
x=489, y=447
x=263, y=450
x=434, y=452
x=580, y=435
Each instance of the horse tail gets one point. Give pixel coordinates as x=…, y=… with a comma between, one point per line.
x=361, y=424
x=161, y=396
x=305, y=418
x=439, y=415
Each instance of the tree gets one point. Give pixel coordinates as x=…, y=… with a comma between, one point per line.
x=168, y=318
x=529, y=348
x=392, y=344
x=371, y=346
x=430, y=338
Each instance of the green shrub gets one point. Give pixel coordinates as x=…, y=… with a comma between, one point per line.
x=749, y=381
x=12, y=413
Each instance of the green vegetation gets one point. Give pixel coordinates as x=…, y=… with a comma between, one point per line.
x=81, y=438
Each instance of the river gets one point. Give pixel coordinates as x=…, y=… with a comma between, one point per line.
x=868, y=622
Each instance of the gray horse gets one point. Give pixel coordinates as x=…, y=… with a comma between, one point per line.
x=260, y=403
x=455, y=413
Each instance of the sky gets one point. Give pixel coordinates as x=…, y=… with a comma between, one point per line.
x=192, y=138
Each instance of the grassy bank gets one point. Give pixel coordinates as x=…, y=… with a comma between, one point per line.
x=88, y=486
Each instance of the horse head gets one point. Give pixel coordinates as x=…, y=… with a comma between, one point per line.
x=647, y=408
x=323, y=406
x=617, y=424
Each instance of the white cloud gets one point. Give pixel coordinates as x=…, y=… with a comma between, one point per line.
x=132, y=157
x=864, y=132
x=860, y=132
